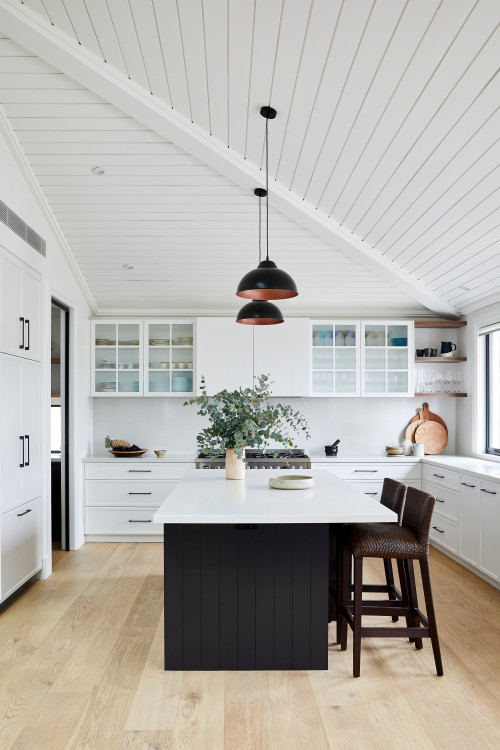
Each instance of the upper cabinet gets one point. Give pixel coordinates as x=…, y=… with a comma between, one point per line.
x=282, y=352
x=335, y=359
x=20, y=297
x=225, y=354
x=387, y=358
x=169, y=348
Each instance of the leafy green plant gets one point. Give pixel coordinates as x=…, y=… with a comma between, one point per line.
x=245, y=418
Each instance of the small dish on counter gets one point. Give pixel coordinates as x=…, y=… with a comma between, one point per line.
x=291, y=482
x=395, y=450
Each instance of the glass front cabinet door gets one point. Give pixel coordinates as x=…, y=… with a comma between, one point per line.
x=169, y=348
x=117, y=363
x=387, y=358
x=335, y=363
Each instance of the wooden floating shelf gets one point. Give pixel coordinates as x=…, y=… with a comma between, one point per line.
x=441, y=395
x=440, y=323
x=432, y=360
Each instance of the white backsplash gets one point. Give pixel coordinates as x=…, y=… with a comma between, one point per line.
x=364, y=425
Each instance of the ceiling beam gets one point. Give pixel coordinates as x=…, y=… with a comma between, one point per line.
x=55, y=47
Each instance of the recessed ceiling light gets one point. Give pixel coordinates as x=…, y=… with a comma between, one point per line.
x=465, y=288
x=97, y=170
x=127, y=266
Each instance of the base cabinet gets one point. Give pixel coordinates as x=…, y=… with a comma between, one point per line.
x=369, y=477
x=21, y=545
x=490, y=529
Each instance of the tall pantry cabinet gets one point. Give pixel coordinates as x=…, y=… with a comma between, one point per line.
x=20, y=425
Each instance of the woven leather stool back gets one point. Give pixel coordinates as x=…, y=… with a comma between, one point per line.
x=417, y=513
x=393, y=496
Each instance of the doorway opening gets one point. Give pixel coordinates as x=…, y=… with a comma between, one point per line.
x=59, y=425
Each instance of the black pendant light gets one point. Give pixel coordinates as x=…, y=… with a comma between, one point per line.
x=267, y=281
x=260, y=312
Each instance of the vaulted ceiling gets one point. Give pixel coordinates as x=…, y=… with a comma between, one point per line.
x=384, y=157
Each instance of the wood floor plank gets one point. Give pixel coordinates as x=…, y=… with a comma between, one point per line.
x=199, y=723
x=248, y=725
x=52, y=723
x=138, y=740
x=157, y=697
x=297, y=720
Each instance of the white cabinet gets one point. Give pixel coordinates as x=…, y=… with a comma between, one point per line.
x=224, y=354
x=117, y=358
x=122, y=496
x=282, y=352
x=20, y=431
x=490, y=529
x=387, y=358
x=335, y=358
x=368, y=476
x=20, y=297
x=169, y=348
x=470, y=520
x=21, y=545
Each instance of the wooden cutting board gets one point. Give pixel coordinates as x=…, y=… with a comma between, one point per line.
x=429, y=415
x=433, y=435
x=414, y=424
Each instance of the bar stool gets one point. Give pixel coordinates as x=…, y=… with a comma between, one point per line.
x=406, y=543
x=393, y=497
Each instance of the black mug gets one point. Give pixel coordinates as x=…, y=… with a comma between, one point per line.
x=447, y=347
x=428, y=352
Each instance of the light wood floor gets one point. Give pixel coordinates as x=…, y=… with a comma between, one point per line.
x=81, y=669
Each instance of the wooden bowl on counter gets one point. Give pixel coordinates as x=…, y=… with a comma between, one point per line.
x=129, y=454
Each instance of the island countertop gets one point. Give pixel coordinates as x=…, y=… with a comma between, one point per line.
x=207, y=497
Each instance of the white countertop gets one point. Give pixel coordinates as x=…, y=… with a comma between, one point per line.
x=375, y=459
x=476, y=466
x=208, y=497
x=170, y=458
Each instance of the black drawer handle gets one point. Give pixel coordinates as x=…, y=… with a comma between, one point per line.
x=490, y=492
x=139, y=520
x=21, y=345
x=366, y=471
x=439, y=501
x=27, y=323
x=23, y=514
x=440, y=530
x=140, y=471
x=21, y=465
x=439, y=476
x=27, y=438
x=464, y=484
x=140, y=493
x=371, y=493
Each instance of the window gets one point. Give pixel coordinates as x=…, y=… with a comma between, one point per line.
x=493, y=390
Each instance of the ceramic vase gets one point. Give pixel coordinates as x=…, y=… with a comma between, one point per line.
x=235, y=467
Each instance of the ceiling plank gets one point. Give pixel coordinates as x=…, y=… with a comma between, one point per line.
x=53, y=46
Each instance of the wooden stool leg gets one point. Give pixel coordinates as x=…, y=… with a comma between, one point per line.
x=358, y=599
x=339, y=556
x=412, y=595
x=404, y=593
x=389, y=579
x=345, y=593
x=431, y=615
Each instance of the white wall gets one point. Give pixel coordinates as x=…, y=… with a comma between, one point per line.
x=364, y=425
x=59, y=280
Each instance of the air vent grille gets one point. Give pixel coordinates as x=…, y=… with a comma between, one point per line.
x=14, y=222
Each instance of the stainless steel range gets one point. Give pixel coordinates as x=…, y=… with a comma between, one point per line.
x=294, y=458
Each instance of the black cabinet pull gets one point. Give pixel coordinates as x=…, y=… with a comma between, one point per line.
x=27, y=438
x=21, y=345
x=439, y=476
x=366, y=471
x=21, y=437
x=27, y=323
x=371, y=493
x=439, y=501
x=140, y=471
x=139, y=520
x=440, y=530
x=464, y=484
x=490, y=492
x=23, y=514
x=140, y=493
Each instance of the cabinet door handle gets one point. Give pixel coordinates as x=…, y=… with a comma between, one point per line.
x=140, y=493
x=439, y=476
x=439, y=501
x=21, y=345
x=371, y=493
x=464, y=484
x=140, y=471
x=27, y=438
x=23, y=514
x=139, y=520
x=21, y=438
x=27, y=323
x=490, y=492
x=440, y=530
x=366, y=471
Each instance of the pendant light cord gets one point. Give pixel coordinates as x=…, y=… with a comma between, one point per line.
x=260, y=225
x=267, y=189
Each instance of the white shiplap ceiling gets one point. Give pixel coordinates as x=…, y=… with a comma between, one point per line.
x=386, y=137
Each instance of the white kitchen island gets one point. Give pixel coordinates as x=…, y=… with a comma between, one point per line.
x=247, y=568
